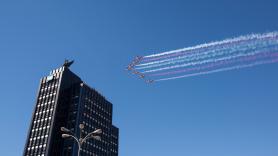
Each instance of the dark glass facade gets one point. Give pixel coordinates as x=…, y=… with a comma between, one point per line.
x=64, y=100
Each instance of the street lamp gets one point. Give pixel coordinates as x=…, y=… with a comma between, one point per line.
x=93, y=135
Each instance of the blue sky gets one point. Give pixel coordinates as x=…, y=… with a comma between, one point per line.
x=230, y=113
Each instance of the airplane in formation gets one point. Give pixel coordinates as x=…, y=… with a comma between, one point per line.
x=129, y=67
x=149, y=81
x=142, y=76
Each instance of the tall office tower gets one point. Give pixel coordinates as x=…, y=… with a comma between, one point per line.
x=64, y=100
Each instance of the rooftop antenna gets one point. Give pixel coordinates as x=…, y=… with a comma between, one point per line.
x=68, y=63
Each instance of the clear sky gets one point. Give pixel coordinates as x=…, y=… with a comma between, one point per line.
x=231, y=113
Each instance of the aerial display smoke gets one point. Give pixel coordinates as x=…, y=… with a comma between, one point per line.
x=229, y=54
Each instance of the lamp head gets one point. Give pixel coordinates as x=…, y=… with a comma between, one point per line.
x=98, y=131
x=81, y=126
x=64, y=129
x=65, y=135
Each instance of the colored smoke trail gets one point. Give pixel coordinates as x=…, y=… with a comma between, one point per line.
x=235, y=53
x=192, y=57
x=220, y=70
x=220, y=63
x=202, y=62
x=228, y=42
x=208, y=53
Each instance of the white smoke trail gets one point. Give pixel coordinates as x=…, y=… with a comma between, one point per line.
x=216, y=52
x=209, y=60
x=237, y=39
x=220, y=70
x=196, y=52
x=225, y=49
x=154, y=63
x=253, y=58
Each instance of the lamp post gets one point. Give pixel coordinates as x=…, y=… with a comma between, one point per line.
x=69, y=134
